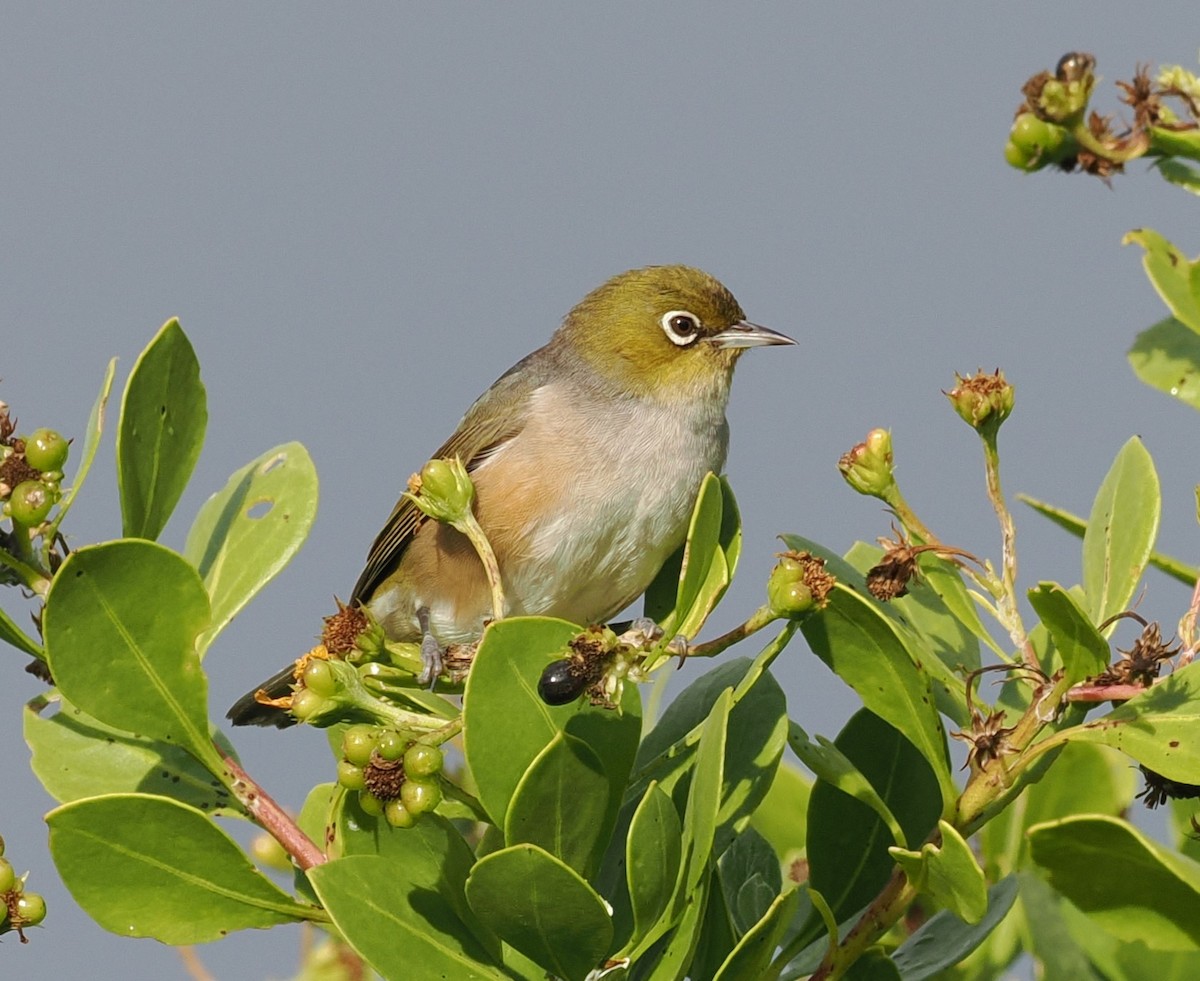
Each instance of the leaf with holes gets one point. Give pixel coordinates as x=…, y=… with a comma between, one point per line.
x=249, y=530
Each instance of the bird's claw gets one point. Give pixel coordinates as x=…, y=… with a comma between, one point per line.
x=432, y=661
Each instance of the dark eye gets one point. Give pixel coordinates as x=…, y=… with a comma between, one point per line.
x=681, y=327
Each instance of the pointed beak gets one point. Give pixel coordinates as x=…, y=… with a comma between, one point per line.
x=745, y=334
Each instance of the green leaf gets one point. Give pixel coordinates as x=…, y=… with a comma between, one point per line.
x=163, y=416
x=249, y=530
x=1180, y=174
x=507, y=725
x=947, y=873
x=758, y=722
x=1121, y=532
x=847, y=841
x=74, y=756
x=10, y=633
x=752, y=956
x=832, y=766
x=862, y=647
x=687, y=589
x=541, y=907
x=1166, y=356
x=874, y=965
x=1174, y=143
x=750, y=878
x=1133, y=887
x=782, y=817
x=1173, y=275
x=397, y=919
x=682, y=944
x=121, y=623
x=653, y=858
x=944, y=940
x=91, y=443
x=146, y=866
x=1083, y=650
x=1186, y=574
x=1050, y=940
x=704, y=794
x=1157, y=728
x=561, y=803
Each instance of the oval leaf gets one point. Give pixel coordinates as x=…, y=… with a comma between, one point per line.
x=1166, y=356
x=1083, y=650
x=250, y=529
x=862, y=647
x=1121, y=532
x=145, y=866
x=1133, y=887
x=1171, y=273
x=400, y=925
x=506, y=724
x=561, y=803
x=163, y=415
x=653, y=855
x=541, y=907
x=121, y=623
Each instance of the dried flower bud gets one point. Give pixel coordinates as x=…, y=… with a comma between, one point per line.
x=983, y=401
x=867, y=466
x=342, y=629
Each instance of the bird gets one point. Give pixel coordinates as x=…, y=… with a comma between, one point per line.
x=586, y=456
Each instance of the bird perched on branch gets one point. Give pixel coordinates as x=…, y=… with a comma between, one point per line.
x=586, y=457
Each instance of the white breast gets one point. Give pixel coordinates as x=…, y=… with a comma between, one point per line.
x=632, y=474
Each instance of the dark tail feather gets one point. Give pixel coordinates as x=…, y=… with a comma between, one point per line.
x=248, y=711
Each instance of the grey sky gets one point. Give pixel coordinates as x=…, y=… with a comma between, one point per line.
x=363, y=214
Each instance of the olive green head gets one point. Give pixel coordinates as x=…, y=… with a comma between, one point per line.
x=672, y=331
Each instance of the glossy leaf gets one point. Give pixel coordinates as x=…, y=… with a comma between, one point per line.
x=847, y=841
x=944, y=940
x=145, y=866
x=561, y=804
x=1166, y=356
x=75, y=756
x=1135, y=888
x=692, y=582
x=1181, y=571
x=704, y=794
x=862, y=647
x=1084, y=652
x=249, y=530
x=541, y=907
x=121, y=623
x=681, y=946
x=507, y=725
x=1174, y=276
x=1121, y=532
x=750, y=879
x=947, y=873
x=1050, y=940
x=163, y=416
x=1157, y=728
x=832, y=766
x=653, y=852
x=399, y=921
x=91, y=443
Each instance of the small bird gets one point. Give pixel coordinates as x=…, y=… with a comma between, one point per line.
x=586, y=457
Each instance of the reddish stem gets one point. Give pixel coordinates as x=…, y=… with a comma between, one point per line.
x=1104, y=693
x=271, y=816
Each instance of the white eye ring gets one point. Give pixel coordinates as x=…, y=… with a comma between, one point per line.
x=681, y=327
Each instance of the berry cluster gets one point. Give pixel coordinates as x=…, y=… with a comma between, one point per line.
x=18, y=908
x=394, y=776
x=30, y=472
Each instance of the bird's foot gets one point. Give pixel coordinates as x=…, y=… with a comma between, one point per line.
x=432, y=661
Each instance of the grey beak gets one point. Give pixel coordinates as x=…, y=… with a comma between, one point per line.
x=746, y=334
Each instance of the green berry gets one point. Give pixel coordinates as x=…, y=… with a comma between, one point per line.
x=307, y=704
x=8, y=876
x=397, y=815
x=391, y=744
x=266, y=851
x=318, y=677
x=789, y=599
x=422, y=760
x=31, y=909
x=350, y=776
x=30, y=502
x=46, y=450
x=420, y=796
x=358, y=743
x=370, y=804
